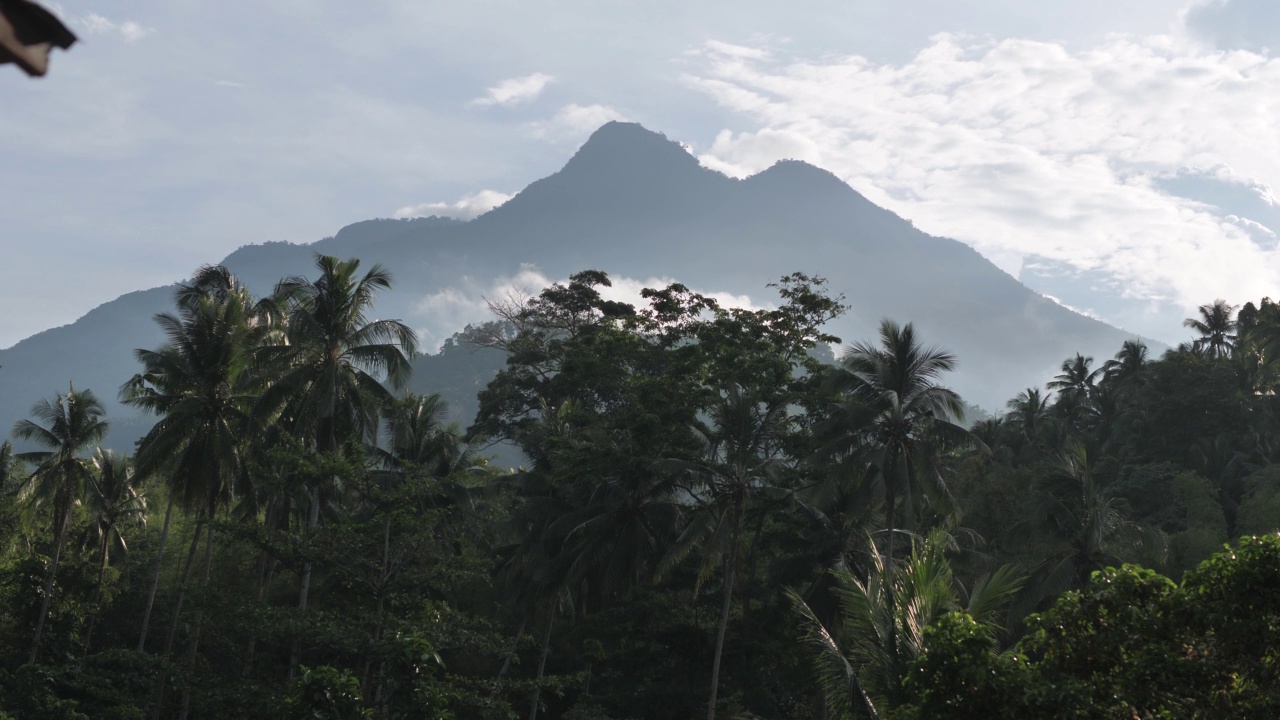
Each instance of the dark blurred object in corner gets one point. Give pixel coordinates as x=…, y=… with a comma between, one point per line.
x=27, y=33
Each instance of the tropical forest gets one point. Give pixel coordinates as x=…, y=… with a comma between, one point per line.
x=664, y=509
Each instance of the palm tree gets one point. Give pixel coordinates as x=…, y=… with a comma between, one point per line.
x=202, y=386
x=113, y=504
x=1127, y=366
x=857, y=667
x=1216, y=326
x=898, y=419
x=421, y=447
x=330, y=352
x=741, y=459
x=902, y=418
x=1072, y=509
x=61, y=479
x=1029, y=414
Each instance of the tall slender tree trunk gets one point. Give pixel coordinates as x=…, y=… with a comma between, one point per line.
x=265, y=567
x=48, y=583
x=182, y=588
x=515, y=643
x=542, y=661
x=730, y=562
x=97, y=596
x=162, y=683
x=753, y=563
x=304, y=589
x=199, y=621
x=383, y=582
x=891, y=639
x=155, y=575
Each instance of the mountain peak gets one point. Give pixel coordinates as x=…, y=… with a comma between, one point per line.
x=630, y=145
x=623, y=171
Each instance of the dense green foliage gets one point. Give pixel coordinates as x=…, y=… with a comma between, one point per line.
x=712, y=517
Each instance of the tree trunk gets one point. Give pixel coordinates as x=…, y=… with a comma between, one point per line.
x=753, y=563
x=162, y=682
x=182, y=588
x=515, y=643
x=383, y=582
x=97, y=596
x=313, y=519
x=155, y=576
x=542, y=662
x=730, y=561
x=265, y=567
x=48, y=583
x=195, y=633
x=891, y=640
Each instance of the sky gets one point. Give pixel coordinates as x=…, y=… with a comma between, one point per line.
x=1123, y=158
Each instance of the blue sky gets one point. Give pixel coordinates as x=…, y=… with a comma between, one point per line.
x=1118, y=156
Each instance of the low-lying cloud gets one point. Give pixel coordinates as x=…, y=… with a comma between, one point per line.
x=438, y=315
x=468, y=208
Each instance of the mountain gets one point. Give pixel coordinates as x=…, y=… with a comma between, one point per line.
x=636, y=205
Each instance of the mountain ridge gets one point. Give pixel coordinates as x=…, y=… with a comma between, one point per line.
x=636, y=204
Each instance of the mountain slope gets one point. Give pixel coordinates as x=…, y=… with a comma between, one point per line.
x=636, y=205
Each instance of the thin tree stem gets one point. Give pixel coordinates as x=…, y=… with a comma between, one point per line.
x=155, y=576
x=63, y=524
x=730, y=560
x=542, y=662
x=97, y=596
x=195, y=633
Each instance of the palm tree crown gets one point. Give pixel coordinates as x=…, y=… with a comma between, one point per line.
x=1216, y=326
x=906, y=413
x=331, y=353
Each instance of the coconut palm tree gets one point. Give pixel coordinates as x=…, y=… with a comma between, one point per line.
x=333, y=358
x=862, y=658
x=331, y=362
x=894, y=409
x=113, y=504
x=69, y=424
x=1216, y=326
x=1126, y=367
x=420, y=448
x=896, y=416
x=1070, y=508
x=742, y=459
x=202, y=386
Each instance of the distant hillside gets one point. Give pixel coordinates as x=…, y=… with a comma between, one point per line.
x=635, y=204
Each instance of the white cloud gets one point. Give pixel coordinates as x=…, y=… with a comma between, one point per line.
x=468, y=208
x=438, y=315
x=574, y=121
x=95, y=24
x=748, y=153
x=515, y=91
x=1029, y=148
x=229, y=84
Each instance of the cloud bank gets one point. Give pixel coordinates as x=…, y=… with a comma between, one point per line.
x=1030, y=149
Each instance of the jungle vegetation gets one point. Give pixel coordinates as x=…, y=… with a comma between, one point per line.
x=714, y=517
